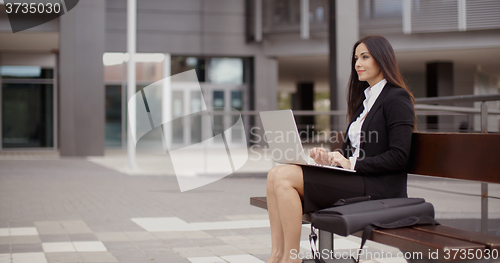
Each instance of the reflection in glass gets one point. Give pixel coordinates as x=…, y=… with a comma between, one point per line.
x=181, y=64
x=286, y=12
x=26, y=72
x=218, y=104
x=177, y=113
x=27, y=119
x=226, y=71
x=113, y=116
x=196, y=119
x=236, y=103
x=318, y=11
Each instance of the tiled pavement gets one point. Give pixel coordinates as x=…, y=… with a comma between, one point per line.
x=72, y=210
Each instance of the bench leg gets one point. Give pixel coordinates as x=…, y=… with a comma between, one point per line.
x=325, y=240
x=484, y=208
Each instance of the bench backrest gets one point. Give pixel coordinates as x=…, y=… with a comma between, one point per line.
x=468, y=156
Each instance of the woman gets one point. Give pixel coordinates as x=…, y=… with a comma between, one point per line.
x=382, y=119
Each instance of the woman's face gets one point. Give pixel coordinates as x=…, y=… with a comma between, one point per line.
x=366, y=66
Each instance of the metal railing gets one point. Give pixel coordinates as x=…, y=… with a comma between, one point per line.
x=484, y=128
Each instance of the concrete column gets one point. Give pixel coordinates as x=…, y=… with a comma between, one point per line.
x=347, y=32
x=439, y=83
x=81, y=88
x=265, y=90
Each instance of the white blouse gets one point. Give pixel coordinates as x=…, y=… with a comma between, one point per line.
x=354, y=133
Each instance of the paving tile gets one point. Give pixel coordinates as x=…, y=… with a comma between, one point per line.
x=151, y=245
x=98, y=257
x=195, y=234
x=225, y=250
x=76, y=227
x=174, y=243
x=163, y=224
x=140, y=236
x=101, y=226
x=161, y=255
x=4, y=240
x=89, y=246
x=63, y=257
x=208, y=242
x=54, y=238
x=249, y=245
x=132, y=257
x=26, y=248
x=242, y=259
x=217, y=233
x=234, y=239
x=83, y=237
x=50, y=228
x=189, y=252
x=262, y=251
x=5, y=258
x=4, y=232
x=23, y=231
x=112, y=236
x=29, y=257
x=25, y=240
x=50, y=247
x=22, y=222
x=170, y=235
x=120, y=246
x=5, y=248
x=207, y=260
x=264, y=257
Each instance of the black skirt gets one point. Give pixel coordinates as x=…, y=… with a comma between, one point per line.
x=323, y=187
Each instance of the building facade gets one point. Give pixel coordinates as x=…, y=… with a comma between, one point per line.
x=63, y=83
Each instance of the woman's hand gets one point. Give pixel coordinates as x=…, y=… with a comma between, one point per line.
x=319, y=155
x=336, y=158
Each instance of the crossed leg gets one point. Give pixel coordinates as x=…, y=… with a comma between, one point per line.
x=285, y=187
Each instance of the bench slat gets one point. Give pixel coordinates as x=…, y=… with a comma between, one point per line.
x=408, y=239
x=422, y=238
x=469, y=156
x=261, y=202
x=490, y=241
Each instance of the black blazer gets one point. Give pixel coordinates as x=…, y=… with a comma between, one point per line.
x=385, y=143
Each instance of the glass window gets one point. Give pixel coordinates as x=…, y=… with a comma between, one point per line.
x=177, y=114
x=237, y=99
x=148, y=67
x=148, y=71
x=27, y=115
x=113, y=115
x=318, y=11
x=113, y=73
x=218, y=104
x=26, y=72
x=236, y=103
x=181, y=64
x=226, y=71
x=286, y=12
x=196, y=121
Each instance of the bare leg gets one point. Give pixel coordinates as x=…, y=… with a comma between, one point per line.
x=277, y=239
x=285, y=186
x=289, y=187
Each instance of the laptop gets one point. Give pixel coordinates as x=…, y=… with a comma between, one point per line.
x=284, y=141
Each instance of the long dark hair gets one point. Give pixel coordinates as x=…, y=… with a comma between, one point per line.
x=381, y=50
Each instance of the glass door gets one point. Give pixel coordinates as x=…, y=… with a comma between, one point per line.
x=226, y=102
x=27, y=104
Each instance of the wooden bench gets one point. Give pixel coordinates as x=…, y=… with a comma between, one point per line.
x=464, y=156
